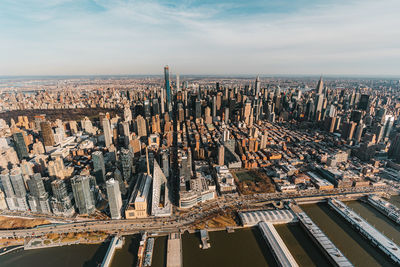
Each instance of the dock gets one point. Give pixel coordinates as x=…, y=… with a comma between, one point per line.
x=204, y=239
x=148, y=256
x=116, y=242
x=275, y=243
x=174, y=251
x=334, y=255
x=388, y=209
x=368, y=231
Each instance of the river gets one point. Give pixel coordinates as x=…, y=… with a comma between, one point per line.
x=244, y=247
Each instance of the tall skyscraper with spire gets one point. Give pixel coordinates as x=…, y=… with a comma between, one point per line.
x=257, y=86
x=167, y=88
x=320, y=86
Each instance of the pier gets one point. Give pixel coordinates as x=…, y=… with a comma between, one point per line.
x=251, y=218
x=276, y=244
x=334, y=255
x=116, y=242
x=388, y=209
x=368, y=231
x=174, y=250
x=149, y=251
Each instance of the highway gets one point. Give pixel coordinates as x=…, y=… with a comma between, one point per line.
x=183, y=219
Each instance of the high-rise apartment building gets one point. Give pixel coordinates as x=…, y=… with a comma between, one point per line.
x=83, y=195
x=20, y=145
x=114, y=198
x=99, y=168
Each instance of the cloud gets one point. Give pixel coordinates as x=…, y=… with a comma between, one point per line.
x=114, y=37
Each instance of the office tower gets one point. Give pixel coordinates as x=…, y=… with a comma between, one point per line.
x=20, y=145
x=107, y=132
x=214, y=107
x=36, y=186
x=181, y=113
x=226, y=115
x=320, y=86
x=141, y=126
x=388, y=122
x=47, y=133
x=18, y=185
x=319, y=100
x=61, y=203
x=207, y=115
x=155, y=124
x=359, y=131
x=126, y=163
x=257, y=86
x=356, y=116
x=162, y=99
x=114, y=198
x=246, y=112
x=8, y=189
x=177, y=83
x=39, y=198
x=17, y=182
x=99, y=168
x=167, y=88
x=83, y=195
x=160, y=203
x=155, y=107
x=221, y=155
x=394, y=149
x=197, y=108
x=364, y=102
x=264, y=140
x=147, y=109
x=348, y=130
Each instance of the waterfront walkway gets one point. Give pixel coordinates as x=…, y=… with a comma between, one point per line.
x=116, y=242
x=174, y=250
x=278, y=247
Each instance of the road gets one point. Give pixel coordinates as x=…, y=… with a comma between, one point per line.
x=179, y=221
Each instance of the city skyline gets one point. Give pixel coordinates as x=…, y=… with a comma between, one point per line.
x=229, y=38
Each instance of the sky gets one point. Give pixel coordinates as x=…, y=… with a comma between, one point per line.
x=291, y=37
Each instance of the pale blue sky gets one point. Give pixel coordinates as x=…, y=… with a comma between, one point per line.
x=83, y=37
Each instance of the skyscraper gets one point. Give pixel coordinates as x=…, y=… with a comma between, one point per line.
x=107, y=132
x=99, y=168
x=38, y=198
x=320, y=86
x=257, y=86
x=167, y=88
x=84, y=197
x=177, y=83
x=126, y=162
x=114, y=198
x=221, y=155
x=20, y=145
x=18, y=185
x=141, y=126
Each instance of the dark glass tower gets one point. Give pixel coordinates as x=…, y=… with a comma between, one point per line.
x=167, y=88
